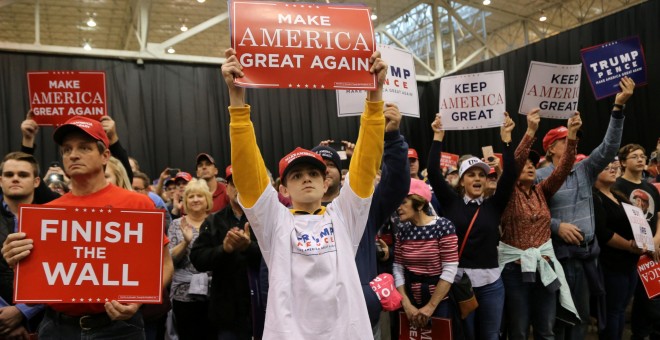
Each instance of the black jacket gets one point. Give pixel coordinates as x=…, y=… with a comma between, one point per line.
x=230, y=304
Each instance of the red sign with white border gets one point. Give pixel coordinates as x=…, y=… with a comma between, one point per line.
x=90, y=255
x=649, y=273
x=448, y=160
x=56, y=96
x=303, y=45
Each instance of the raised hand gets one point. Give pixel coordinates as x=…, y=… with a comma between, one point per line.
x=507, y=128
x=378, y=67
x=627, y=87
x=533, y=119
x=574, y=124
x=392, y=117
x=110, y=129
x=232, y=69
x=436, y=126
x=29, y=129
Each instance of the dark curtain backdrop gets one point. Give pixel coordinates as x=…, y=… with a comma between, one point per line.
x=166, y=113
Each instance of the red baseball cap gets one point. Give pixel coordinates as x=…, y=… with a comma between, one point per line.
x=554, y=135
x=299, y=156
x=228, y=172
x=91, y=127
x=183, y=175
x=205, y=155
x=412, y=153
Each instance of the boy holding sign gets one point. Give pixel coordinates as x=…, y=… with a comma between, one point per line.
x=314, y=286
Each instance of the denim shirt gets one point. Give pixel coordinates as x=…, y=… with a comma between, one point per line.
x=573, y=203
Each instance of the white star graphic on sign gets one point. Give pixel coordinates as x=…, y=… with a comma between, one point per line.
x=77, y=209
x=314, y=85
x=290, y=85
x=298, y=85
x=106, y=299
x=85, y=210
x=90, y=299
x=81, y=299
x=109, y=211
x=306, y=86
x=93, y=210
x=98, y=300
x=73, y=300
x=101, y=210
x=322, y=86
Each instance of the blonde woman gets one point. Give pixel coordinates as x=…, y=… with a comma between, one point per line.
x=190, y=287
x=116, y=174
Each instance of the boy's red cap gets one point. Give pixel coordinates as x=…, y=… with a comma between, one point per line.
x=91, y=127
x=184, y=176
x=299, y=156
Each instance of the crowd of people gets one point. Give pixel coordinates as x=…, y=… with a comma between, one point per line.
x=543, y=241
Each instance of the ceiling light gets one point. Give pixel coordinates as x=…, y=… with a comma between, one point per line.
x=171, y=50
x=201, y=1
x=87, y=46
x=486, y=2
x=543, y=17
x=91, y=22
x=184, y=28
x=374, y=16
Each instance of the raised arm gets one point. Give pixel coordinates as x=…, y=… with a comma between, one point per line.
x=249, y=169
x=604, y=153
x=394, y=180
x=551, y=184
x=508, y=178
x=443, y=191
x=369, y=146
x=522, y=151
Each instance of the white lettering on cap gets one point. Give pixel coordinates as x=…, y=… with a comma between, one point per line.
x=84, y=125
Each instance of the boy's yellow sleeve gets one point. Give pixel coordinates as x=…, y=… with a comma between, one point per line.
x=368, y=150
x=249, y=170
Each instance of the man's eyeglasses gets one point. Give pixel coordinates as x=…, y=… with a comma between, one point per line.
x=140, y=189
x=635, y=157
x=610, y=168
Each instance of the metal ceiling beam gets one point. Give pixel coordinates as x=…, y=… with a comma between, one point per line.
x=467, y=27
x=109, y=53
x=402, y=45
x=144, y=7
x=437, y=35
x=383, y=26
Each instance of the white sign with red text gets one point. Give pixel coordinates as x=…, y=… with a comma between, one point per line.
x=472, y=101
x=400, y=86
x=555, y=89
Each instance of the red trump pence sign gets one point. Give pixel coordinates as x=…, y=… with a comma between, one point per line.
x=303, y=46
x=90, y=255
x=57, y=96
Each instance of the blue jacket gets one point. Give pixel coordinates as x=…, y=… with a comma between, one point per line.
x=388, y=195
x=573, y=203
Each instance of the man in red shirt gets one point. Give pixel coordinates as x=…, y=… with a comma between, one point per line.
x=207, y=170
x=84, y=149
